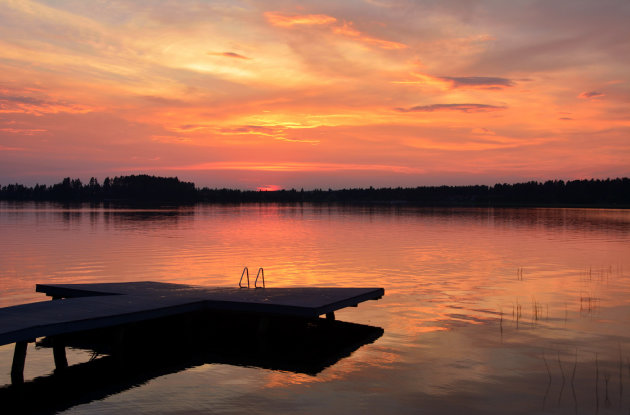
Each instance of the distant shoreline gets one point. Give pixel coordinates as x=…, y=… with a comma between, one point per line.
x=160, y=205
x=146, y=190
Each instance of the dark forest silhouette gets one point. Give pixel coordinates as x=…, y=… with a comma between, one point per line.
x=145, y=188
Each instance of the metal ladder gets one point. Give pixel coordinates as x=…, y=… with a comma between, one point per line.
x=261, y=273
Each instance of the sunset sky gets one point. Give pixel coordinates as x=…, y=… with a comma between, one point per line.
x=281, y=94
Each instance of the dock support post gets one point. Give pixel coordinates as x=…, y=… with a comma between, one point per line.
x=330, y=316
x=59, y=354
x=19, y=358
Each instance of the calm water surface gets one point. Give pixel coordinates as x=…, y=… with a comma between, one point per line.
x=486, y=310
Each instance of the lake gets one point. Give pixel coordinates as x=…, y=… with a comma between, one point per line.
x=485, y=310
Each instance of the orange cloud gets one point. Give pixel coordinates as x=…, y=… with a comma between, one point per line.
x=283, y=20
x=348, y=30
x=423, y=79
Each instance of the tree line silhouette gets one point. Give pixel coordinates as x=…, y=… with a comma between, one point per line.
x=125, y=188
x=145, y=188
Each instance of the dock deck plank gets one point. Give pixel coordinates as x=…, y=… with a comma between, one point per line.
x=90, y=306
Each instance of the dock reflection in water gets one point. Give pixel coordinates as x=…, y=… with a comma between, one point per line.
x=131, y=355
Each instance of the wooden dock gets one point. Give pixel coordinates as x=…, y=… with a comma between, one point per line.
x=81, y=307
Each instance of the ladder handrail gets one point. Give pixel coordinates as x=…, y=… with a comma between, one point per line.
x=260, y=272
x=245, y=271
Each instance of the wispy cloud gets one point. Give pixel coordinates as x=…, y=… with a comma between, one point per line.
x=171, y=139
x=4, y=148
x=229, y=55
x=348, y=30
x=191, y=127
x=12, y=102
x=483, y=131
x=478, y=82
x=252, y=129
x=469, y=108
x=345, y=29
x=287, y=20
x=277, y=132
x=591, y=95
x=461, y=82
x=23, y=131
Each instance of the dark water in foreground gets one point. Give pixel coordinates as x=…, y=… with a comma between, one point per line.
x=486, y=310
